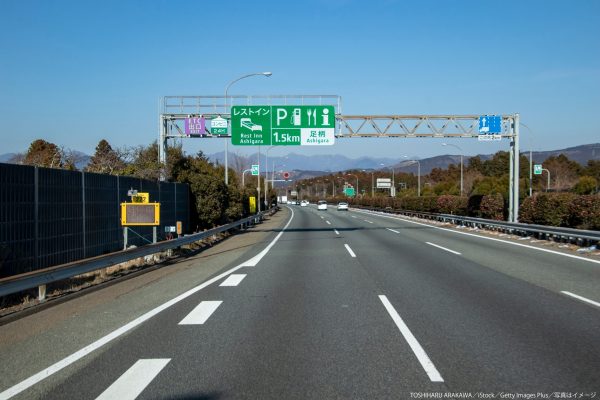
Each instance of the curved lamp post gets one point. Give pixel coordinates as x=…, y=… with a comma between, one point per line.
x=461, y=164
x=267, y=74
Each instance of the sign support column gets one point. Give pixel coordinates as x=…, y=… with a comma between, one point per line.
x=514, y=181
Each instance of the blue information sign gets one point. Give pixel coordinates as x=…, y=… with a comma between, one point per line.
x=489, y=124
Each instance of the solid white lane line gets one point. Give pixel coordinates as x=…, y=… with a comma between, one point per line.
x=201, y=313
x=255, y=260
x=426, y=363
x=131, y=384
x=328, y=223
x=392, y=230
x=65, y=362
x=489, y=238
x=595, y=303
x=336, y=231
x=233, y=280
x=443, y=248
x=350, y=250
x=366, y=220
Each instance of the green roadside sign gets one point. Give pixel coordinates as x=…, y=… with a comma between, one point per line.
x=349, y=192
x=218, y=126
x=255, y=169
x=283, y=125
x=537, y=169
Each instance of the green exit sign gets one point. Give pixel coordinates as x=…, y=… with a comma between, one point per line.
x=283, y=125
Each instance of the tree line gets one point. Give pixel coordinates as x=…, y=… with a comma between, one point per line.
x=214, y=202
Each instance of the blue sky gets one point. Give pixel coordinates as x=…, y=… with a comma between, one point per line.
x=75, y=72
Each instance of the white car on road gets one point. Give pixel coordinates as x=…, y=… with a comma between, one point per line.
x=322, y=205
x=342, y=206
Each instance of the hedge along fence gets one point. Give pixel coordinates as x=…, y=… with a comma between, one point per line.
x=553, y=209
x=562, y=209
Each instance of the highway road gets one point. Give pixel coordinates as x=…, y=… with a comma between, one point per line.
x=327, y=305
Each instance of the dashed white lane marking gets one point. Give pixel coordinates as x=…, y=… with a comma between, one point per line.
x=201, y=313
x=322, y=217
x=366, y=220
x=353, y=216
x=328, y=223
x=350, y=250
x=233, y=280
x=443, y=248
x=426, y=363
x=336, y=231
x=392, y=230
x=134, y=380
x=595, y=303
x=486, y=238
x=65, y=362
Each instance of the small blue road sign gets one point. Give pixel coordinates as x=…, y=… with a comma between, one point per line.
x=489, y=124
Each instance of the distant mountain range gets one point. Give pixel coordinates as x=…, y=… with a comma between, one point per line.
x=317, y=165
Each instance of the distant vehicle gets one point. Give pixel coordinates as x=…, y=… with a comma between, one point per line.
x=342, y=206
x=304, y=203
x=322, y=205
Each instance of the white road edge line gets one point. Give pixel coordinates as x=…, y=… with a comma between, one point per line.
x=328, y=223
x=201, y=313
x=426, y=363
x=392, y=230
x=65, y=362
x=336, y=231
x=233, y=280
x=350, y=250
x=595, y=303
x=443, y=248
x=487, y=238
x=131, y=384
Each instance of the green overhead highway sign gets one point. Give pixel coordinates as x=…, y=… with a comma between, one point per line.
x=282, y=125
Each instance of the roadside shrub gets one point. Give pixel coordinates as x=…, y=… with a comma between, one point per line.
x=492, y=207
x=549, y=209
x=449, y=204
x=527, y=210
x=585, y=212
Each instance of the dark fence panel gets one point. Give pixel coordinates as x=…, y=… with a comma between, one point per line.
x=51, y=216
x=17, y=219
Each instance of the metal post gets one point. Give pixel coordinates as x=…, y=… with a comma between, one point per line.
x=530, y=171
x=418, y=178
x=548, y=173
x=258, y=182
x=461, y=174
x=372, y=184
x=154, y=234
x=124, y=238
x=514, y=197
x=162, y=146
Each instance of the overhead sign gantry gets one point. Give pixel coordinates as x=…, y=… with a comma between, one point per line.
x=482, y=127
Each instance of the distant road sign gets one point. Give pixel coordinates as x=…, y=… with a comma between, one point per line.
x=195, y=126
x=255, y=169
x=218, y=126
x=537, y=169
x=283, y=125
x=384, y=183
x=286, y=175
x=349, y=191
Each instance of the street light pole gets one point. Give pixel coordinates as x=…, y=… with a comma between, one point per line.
x=548, y=172
x=461, y=164
x=530, y=159
x=244, y=176
x=267, y=172
x=418, y=175
x=267, y=74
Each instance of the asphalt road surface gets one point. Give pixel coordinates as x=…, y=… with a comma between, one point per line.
x=328, y=305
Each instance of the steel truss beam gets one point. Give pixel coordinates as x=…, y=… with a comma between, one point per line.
x=373, y=126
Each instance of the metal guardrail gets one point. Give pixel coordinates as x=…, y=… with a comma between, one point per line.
x=40, y=278
x=578, y=236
